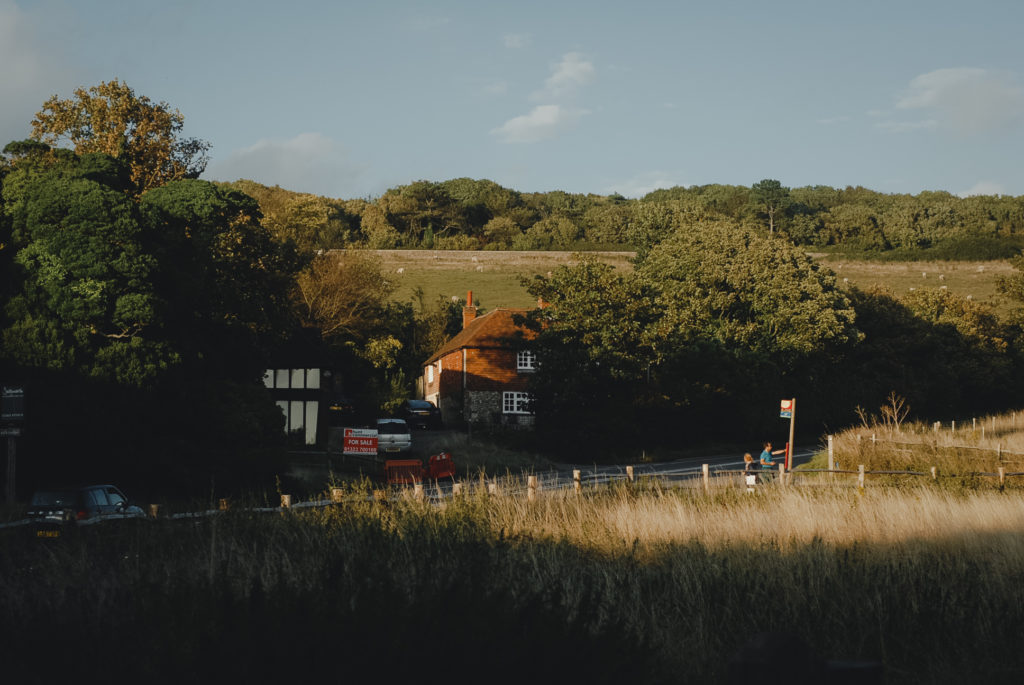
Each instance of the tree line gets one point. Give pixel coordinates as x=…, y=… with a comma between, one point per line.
x=468, y=214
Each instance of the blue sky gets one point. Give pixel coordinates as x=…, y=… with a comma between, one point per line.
x=348, y=99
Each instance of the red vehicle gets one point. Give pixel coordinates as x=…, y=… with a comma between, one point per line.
x=406, y=471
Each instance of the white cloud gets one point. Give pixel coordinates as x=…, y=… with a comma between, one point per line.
x=309, y=163
x=967, y=100
x=984, y=188
x=567, y=77
x=906, y=126
x=517, y=41
x=543, y=122
x=640, y=185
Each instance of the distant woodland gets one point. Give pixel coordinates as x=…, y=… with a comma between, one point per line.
x=468, y=214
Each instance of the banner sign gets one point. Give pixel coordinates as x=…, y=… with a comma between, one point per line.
x=360, y=441
x=786, y=409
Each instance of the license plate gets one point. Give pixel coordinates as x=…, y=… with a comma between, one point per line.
x=47, y=533
x=391, y=449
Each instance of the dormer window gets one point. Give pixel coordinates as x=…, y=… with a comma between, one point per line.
x=526, y=360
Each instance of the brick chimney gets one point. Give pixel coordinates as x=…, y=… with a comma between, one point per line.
x=469, y=311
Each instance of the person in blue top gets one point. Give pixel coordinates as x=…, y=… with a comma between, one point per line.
x=766, y=456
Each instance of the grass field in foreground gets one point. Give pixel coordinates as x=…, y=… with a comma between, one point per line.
x=628, y=584
x=494, y=277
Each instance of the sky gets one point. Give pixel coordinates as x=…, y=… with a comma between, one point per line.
x=347, y=99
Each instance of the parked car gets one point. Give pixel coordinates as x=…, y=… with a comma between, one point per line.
x=341, y=411
x=53, y=509
x=393, y=436
x=421, y=414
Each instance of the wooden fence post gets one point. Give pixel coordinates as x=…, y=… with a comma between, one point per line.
x=873, y=440
x=999, y=450
x=223, y=505
x=531, y=488
x=154, y=510
x=782, y=475
x=831, y=460
x=456, y=489
x=577, y=485
x=286, y=501
x=952, y=426
x=336, y=494
x=706, y=470
x=974, y=423
x=935, y=473
x=492, y=488
x=860, y=476
x=417, y=491
x=1002, y=478
x=629, y=473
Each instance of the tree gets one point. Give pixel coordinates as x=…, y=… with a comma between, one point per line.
x=771, y=197
x=594, y=346
x=343, y=294
x=110, y=118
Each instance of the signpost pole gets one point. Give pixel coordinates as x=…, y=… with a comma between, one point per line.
x=792, y=425
x=12, y=443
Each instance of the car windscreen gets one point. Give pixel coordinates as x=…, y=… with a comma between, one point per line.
x=392, y=428
x=55, y=498
x=419, y=404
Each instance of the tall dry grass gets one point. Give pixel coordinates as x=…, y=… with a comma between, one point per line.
x=975, y=445
x=630, y=583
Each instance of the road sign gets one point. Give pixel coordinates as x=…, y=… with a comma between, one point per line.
x=786, y=409
x=360, y=441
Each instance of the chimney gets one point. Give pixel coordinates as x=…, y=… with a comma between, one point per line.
x=469, y=311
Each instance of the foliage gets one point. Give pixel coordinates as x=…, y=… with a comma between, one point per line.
x=148, y=314
x=771, y=198
x=111, y=119
x=343, y=294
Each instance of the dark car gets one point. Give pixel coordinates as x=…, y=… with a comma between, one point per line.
x=420, y=414
x=341, y=411
x=52, y=509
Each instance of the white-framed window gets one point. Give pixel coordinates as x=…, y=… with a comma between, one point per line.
x=516, y=403
x=430, y=374
x=526, y=360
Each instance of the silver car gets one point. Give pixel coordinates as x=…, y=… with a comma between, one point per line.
x=393, y=436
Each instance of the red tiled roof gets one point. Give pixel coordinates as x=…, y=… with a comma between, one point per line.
x=490, y=330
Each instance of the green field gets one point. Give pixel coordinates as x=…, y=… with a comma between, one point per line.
x=494, y=277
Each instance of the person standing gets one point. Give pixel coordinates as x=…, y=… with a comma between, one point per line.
x=767, y=455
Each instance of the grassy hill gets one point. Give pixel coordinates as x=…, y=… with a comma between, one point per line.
x=493, y=276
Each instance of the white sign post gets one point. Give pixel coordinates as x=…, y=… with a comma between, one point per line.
x=787, y=410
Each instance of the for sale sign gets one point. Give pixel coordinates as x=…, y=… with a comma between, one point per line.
x=786, y=409
x=360, y=441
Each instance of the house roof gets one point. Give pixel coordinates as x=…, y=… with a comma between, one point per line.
x=491, y=330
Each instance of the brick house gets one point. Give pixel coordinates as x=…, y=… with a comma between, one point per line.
x=479, y=376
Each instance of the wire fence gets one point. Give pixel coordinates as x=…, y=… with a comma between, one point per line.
x=590, y=479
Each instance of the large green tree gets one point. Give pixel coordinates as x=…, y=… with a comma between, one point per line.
x=110, y=118
x=771, y=198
